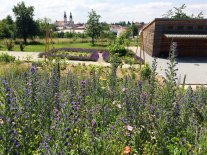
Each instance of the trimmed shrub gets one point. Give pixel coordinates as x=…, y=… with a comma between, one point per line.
x=118, y=49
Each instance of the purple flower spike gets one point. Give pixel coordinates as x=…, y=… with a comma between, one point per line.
x=33, y=70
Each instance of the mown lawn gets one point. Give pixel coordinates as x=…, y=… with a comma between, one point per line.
x=58, y=43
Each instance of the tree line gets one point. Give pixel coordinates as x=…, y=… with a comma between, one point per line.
x=24, y=26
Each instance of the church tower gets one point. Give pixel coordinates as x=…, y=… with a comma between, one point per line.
x=65, y=18
x=71, y=22
x=71, y=17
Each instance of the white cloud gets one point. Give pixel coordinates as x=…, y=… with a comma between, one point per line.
x=109, y=10
x=197, y=8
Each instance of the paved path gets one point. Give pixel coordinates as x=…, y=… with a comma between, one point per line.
x=33, y=56
x=30, y=56
x=194, y=69
x=100, y=59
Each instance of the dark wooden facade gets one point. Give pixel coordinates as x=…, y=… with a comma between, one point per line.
x=189, y=34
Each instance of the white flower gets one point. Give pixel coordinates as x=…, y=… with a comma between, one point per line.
x=119, y=106
x=124, y=89
x=103, y=88
x=129, y=128
x=1, y=121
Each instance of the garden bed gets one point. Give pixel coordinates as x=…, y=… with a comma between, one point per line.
x=80, y=54
x=86, y=110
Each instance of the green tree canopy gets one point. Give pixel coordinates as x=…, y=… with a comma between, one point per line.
x=105, y=26
x=134, y=30
x=179, y=13
x=44, y=24
x=25, y=25
x=121, y=23
x=93, y=26
x=7, y=28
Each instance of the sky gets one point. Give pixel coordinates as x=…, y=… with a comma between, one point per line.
x=110, y=10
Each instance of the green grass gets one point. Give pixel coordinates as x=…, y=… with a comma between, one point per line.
x=41, y=48
x=58, y=43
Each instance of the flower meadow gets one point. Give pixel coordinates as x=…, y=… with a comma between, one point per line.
x=53, y=113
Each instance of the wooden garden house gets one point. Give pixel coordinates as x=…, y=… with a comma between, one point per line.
x=189, y=34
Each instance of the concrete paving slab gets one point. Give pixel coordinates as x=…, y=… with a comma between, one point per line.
x=195, y=69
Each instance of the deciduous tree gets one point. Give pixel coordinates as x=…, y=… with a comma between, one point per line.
x=93, y=26
x=179, y=13
x=7, y=28
x=43, y=25
x=134, y=30
x=25, y=25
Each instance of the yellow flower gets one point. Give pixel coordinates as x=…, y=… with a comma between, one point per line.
x=103, y=79
x=127, y=150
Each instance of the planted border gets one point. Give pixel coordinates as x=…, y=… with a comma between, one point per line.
x=94, y=56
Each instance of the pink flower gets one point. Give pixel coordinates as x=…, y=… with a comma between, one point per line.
x=129, y=128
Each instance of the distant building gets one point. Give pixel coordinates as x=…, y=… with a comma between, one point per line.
x=69, y=25
x=117, y=29
x=139, y=26
x=189, y=34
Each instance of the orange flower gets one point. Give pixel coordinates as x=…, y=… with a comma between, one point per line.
x=127, y=150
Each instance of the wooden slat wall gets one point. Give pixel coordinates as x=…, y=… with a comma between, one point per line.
x=186, y=47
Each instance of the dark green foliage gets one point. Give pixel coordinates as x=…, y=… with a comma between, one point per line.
x=134, y=30
x=93, y=26
x=25, y=25
x=118, y=49
x=9, y=45
x=178, y=13
x=145, y=72
x=125, y=55
x=7, y=28
x=43, y=25
x=21, y=46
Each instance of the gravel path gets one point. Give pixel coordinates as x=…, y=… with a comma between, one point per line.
x=101, y=60
x=194, y=69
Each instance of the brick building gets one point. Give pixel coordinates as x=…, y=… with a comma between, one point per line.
x=189, y=34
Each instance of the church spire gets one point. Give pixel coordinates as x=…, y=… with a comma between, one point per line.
x=71, y=17
x=65, y=17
